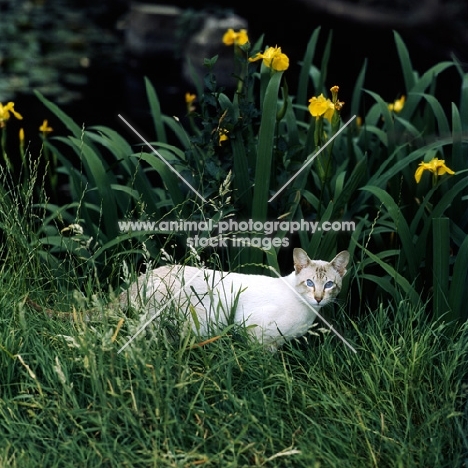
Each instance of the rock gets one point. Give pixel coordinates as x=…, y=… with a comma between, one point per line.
x=207, y=43
x=150, y=30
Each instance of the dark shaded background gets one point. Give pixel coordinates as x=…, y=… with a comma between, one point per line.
x=430, y=38
x=441, y=35
x=433, y=31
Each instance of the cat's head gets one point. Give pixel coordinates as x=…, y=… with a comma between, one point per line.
x=317, y=281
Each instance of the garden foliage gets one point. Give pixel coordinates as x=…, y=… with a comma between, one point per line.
x=82, y=380
x=240, y=148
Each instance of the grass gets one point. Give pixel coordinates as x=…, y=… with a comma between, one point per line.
x=69, y=398
x=73, y=394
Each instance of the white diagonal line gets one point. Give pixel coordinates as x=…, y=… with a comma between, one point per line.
x=156, y=313
x=162, y=159
x=312, y=158
x=329, y=325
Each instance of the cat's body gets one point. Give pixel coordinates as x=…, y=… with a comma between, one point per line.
x=274, y=309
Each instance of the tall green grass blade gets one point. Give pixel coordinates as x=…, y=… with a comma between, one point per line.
x=196, y=81
x=412, y=131
x=173, y=151
x=155, y=109
x=388, y=119
x=438, y=211
x=292, y=126
x=405, y=62
x=357, y=91
x=265, y=149
x=102, y=180
x=77, y=180
x=339, y=183
x=379, y=133
x=401, y=281
x=112, y=140
x=324, y=63
x=351, y=247
x=457, y=137
x=458, y=293
x=316, y=239
x=448, y=197
x=351, y=186
x=423, y=208
x=464, y=103
x=413, y=99
x=67, y=121
x=303, y=86
x=401, y=227
x=178, y=130
x=122, y=239
x=439, y=114
x=241, y=170
x=99, y=178
x=272, y=258
x=441, y=248
x=56, y=212
x=59, y=244
x=457, y=234
x=385, y=284
x=265, y=77
x=170, y=180
x=122, y=152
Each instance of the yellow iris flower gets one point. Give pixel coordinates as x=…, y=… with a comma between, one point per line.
x=5, y=111
x=44, y=128
x=232, y=37
x=189, y=98
x=436, y=166
x=398, y=105
x=273, y=58
x=319, y=106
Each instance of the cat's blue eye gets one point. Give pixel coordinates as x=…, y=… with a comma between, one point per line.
x=329, y=284
x=310, y=283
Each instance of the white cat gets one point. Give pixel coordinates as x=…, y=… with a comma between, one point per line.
x=274, y=309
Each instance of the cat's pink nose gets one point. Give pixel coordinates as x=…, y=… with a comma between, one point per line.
x=318, y=299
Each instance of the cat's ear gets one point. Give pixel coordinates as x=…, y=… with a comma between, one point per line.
x=340, y=262
x=301, y=259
